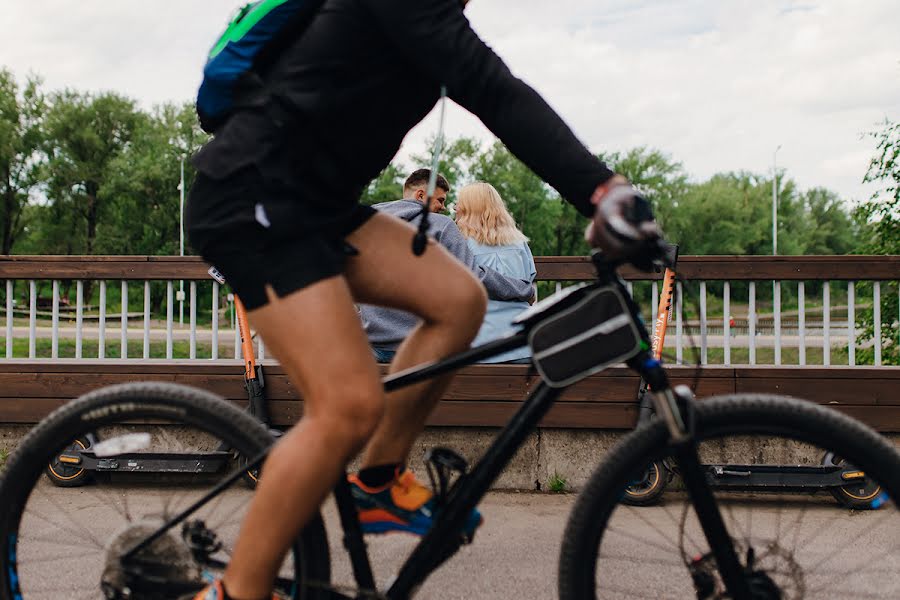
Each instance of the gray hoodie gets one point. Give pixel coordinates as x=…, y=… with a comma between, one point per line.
x=387, y=327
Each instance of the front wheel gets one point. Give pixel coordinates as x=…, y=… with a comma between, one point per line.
x=162, y=447
x=792, y=542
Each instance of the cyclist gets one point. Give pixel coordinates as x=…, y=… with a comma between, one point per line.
x=275, y=208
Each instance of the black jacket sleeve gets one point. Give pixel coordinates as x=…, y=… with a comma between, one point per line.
x=436, y=36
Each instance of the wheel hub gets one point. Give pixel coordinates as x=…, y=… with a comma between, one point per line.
x=772, y=574
x=157, y=572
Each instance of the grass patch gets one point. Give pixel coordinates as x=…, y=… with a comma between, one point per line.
x=90, y=348
x=4, y=455
x=557, y=484
x=766, y=356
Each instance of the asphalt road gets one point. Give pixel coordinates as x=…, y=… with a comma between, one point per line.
x=822, y=551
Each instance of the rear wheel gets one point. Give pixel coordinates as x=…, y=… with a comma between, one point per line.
x=161, y=447
x=792, y=544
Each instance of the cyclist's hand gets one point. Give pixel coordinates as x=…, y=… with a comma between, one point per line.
x=623, y=221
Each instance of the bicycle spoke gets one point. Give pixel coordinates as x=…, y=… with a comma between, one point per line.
x=83, y=531
x=642, y=540
x=653, y=526
x=817, y=567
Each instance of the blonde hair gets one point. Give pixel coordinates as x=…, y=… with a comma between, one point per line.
x=482, y=216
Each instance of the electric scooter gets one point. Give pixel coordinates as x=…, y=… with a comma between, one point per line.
x=86, y=456
x=848, y=485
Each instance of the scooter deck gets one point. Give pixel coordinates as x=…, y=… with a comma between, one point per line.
x=149, y=462
x=782, y=477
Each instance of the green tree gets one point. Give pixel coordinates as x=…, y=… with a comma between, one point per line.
x=85, y=134
x=662, y=180
x=825, y=226
x=881, y=218
x=535, y=207
x=21, y=138
x=386, y=187
x=141, y=193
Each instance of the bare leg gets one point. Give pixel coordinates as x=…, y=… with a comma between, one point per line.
x=437, y=287
x=316, y=336
x=315, y=333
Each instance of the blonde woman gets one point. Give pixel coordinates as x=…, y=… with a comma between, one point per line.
x=497, y=243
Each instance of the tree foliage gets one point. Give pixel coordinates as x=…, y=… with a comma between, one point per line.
x=95, y=173
x=21, y=139
x=85, y=134
x=881, y=217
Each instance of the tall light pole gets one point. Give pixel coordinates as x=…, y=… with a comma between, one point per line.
x=775, y=201
x=181, y=241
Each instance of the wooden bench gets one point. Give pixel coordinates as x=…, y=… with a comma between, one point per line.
x=480, y=396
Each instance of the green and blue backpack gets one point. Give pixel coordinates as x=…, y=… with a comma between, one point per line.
x=255, y=36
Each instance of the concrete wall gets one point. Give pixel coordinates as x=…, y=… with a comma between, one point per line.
x=571, y=454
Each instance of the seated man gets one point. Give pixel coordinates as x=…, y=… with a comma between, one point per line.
x=386, y=327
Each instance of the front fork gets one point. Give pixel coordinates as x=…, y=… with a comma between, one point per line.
x=676, y=409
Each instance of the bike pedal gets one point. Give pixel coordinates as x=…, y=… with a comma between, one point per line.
x=447, y=459
x=441, y=464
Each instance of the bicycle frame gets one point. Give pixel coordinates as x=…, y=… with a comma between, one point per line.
x=443, y=539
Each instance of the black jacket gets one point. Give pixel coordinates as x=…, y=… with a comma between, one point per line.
x=339, y=101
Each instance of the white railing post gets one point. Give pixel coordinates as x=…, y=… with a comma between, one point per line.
x=679, y=345
x=123, y=338
x=214, y=352
x=101, y=323
x=776, y=309
x=32, y=318
x=193, y=288
x=79, y=317
x=54, y=317
x=9, y=318
x=704, y=354
x=170, y=317
x=751, y=322
x=826, y=324
x=876, y=300
x=654, y=300
x=146, y=319
x=801, y=320
x=851, y=323
x=726, y=322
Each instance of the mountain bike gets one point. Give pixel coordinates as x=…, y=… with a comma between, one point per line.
x=701, y=543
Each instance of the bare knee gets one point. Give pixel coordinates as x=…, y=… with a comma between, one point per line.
x=348, y=416
x=463, y=311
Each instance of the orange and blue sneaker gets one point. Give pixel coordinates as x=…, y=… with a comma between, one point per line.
x=215, y=591
x=402, y=505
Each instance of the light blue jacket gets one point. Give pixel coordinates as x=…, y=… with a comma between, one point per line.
x=513, y=260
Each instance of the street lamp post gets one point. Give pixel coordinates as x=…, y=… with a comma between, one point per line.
x=775, y=201
x=181, y=243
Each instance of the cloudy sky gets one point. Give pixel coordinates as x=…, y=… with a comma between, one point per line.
x=716, y=84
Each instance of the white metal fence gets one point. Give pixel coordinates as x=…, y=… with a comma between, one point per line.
x=743, y=321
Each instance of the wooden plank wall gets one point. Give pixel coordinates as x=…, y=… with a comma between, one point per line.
x=481, y=395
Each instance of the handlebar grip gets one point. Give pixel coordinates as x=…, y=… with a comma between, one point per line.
x=639, y=210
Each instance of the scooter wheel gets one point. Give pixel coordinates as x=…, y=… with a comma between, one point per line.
x=649, y=488
x=63, y=473
x=854, y=495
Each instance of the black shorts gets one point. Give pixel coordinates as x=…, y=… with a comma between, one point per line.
x=258, y=235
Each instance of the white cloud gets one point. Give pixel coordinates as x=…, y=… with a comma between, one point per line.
x=718, y=85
